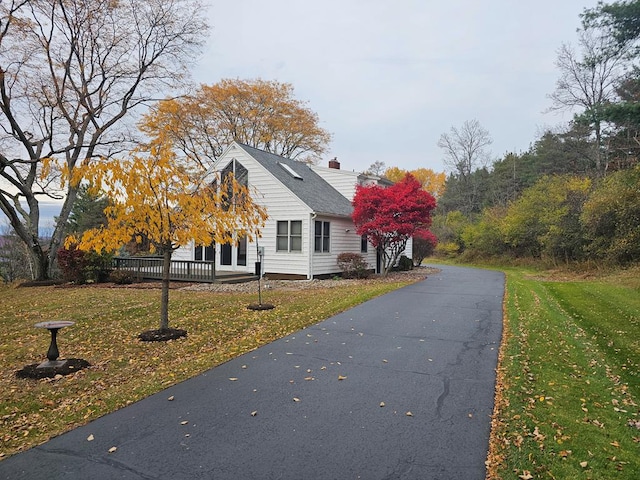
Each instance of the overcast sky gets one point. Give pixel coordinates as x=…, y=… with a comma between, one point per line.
x=387, y=78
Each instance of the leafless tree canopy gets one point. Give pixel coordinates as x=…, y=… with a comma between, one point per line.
x=466, y=148
x=71, y=72
x=588, y=78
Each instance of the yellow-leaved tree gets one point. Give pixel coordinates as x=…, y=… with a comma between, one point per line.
x=259, y=113
x=157, y=197
x=431, y=181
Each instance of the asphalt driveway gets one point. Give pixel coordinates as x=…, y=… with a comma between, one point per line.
x=400, y=387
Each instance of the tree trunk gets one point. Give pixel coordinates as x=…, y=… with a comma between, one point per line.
x=164, y=301
x=39, y=262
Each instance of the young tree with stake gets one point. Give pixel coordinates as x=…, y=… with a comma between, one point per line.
x=155, y=196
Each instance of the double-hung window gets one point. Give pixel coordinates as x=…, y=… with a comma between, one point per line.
x=289, y=236
x=322, y=230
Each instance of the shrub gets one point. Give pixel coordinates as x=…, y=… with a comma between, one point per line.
x=122, y=277
x=78, y=266
x=448, y=249
x=405, y=263
x=353, y=265
x=424, y=244
x=72, y=263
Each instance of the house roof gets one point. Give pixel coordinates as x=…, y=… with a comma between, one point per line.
x=303, y=182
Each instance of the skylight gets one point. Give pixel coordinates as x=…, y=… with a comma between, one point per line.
x=290, y=170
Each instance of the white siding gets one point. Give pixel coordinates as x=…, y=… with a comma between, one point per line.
x=342, y=180
x=283, y=205
x=184, y=253
x=343, y=238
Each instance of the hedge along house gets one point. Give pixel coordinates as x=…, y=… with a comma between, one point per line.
x=309, y=222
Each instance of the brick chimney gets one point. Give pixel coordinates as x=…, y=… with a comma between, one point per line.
x=334, y=164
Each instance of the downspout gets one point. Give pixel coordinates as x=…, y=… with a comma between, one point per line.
x=311, y=243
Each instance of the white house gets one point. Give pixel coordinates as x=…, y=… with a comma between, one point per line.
x=309, y=223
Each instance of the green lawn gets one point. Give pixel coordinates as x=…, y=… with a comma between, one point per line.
x=569, y=382
x=124, y=369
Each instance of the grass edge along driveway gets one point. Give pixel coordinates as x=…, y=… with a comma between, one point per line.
x=568, y=385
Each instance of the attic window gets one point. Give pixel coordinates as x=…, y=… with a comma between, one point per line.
x=290, y=171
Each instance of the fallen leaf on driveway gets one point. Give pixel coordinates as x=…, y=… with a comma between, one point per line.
x=90, y=438
x=409, y=414
x=113, y=449
x=254, y=413
x=341, y=377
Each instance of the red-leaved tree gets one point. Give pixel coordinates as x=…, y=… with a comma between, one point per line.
x=424, y=244
x=390, y=216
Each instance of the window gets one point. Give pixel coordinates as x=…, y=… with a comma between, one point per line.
x=204, y=252
x=241, y=175
x=290, y=171
x=239, y=172
x=322, y=236
x=364, y=244
x=241, y=254
x=289, y=236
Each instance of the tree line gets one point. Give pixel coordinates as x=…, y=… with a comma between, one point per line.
x=575, y=193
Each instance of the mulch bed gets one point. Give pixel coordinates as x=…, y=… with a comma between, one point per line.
x=72, y=366
x=261, y=306
x=162, y=334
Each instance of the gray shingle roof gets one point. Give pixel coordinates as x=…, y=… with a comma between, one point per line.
x=311, y=188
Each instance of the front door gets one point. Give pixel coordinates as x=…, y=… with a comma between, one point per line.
x=234, y=255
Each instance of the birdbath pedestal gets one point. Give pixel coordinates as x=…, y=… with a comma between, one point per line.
x=53, y=353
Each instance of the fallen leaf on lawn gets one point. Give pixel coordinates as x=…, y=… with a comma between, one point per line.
x=90, y=438
x=615, y=444
x=254, y=413
x=526, y=475
x=113, y=449
x=171, y=398
x=341, y=377
x=584, y=464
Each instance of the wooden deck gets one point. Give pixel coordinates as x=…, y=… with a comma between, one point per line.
x=181, y=270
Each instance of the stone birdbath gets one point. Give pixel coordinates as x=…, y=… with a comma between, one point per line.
x=53, y=353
